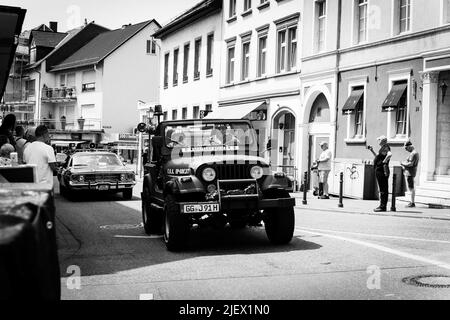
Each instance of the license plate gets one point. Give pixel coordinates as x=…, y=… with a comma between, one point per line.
x=103, y=188
x=201, y=208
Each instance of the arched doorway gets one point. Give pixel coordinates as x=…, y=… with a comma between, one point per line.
x=318, y=129
x=284, y=138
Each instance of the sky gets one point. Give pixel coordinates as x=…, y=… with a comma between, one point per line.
x=112, y=14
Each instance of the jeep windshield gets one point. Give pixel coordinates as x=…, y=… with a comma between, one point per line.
x=200, y=137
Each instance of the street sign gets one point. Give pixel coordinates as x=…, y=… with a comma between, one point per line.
x=142, y=127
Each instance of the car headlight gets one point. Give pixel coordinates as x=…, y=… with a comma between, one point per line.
x=256, y=172
x=123, y=177
x=209, y=174
x=81, y=178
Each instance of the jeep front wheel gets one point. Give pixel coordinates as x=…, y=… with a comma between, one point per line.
x=280, y=223
x=176, y=226
x=151, y=220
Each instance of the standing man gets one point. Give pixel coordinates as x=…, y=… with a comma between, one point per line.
x=382, y=172
x=410, y=171
x=21, y=142
x=324, y=167
x=41, y=154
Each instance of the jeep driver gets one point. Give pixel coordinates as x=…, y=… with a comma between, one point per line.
x=208, y=173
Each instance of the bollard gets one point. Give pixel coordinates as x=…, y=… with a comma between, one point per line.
x=305, y=189
x=394, y=196
x=341, y=191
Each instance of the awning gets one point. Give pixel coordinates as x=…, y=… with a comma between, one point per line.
x=353, y=101
x=393, y=99
x=238, y=111
x=65, y=143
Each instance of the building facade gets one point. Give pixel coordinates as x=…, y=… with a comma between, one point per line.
x=383, y=70
x=190, y=61
x=260, y=74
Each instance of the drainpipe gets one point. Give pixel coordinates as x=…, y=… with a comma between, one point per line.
x=338, y=62
x=38, y=98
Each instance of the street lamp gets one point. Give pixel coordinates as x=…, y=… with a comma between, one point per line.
x=150, y=114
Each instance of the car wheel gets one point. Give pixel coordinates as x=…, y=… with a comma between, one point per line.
x=128, y=194
x=151, y=220
x=280, y=222
x=176, y=226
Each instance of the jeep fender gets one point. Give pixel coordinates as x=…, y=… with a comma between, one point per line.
x=271, y=182
x=181, y=185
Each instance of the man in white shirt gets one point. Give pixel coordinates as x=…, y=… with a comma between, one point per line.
x=41, y=154
x=324, y=166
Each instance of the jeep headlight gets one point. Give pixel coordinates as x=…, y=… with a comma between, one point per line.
x=256, y=172
x=209, y=174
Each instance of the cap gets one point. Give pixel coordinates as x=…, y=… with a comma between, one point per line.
x=382, y=138
x=408, y=144
x=323, y=143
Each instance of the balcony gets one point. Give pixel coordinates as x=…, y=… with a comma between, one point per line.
x=20, y=97
x=69, y=126
x=61, y=94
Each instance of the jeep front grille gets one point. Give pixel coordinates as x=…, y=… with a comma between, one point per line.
x=233, y=171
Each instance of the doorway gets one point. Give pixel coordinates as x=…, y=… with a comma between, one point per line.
x=284, y=134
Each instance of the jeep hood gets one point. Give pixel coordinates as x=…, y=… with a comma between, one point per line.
x=197, y=161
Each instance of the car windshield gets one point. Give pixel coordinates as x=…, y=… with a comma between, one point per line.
x=193, y=137
x=96, y=160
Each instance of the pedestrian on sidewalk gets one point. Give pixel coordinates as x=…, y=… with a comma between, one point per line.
x=21, y=142
x=7, y=128
x=382, y=172
x=324, y=167
x=410, y=171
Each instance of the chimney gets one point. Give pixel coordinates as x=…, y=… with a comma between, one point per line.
x=54, y=26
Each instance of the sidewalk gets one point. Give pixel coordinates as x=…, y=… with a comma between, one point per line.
x=352, y=206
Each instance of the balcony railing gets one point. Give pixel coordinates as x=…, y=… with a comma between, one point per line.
x=69, y=125
x=59, y=94
x=20, y=96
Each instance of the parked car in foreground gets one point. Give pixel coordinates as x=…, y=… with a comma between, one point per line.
x=100, y=171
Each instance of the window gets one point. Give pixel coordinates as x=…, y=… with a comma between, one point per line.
x=175, y=66
x=166, y=70
x=397, y=107
x=230, y=64
x=209, y=54
x=62, y=80
x=186, y=62
x=401, y=117
x=196, y=112
x=321, y=16
x=362, y=20
x=232, y=12
x=262, y=55
x=184, y=113
x=281, y=52
x=247, y=5
x=245, y=60
x=354, y=109
x=446, y=11
x=292, y=48
x=30, y=87
x=32, y=55
x=88, y=81
x=405, y=15
x=174, y=114
x=198, y=45
x=151, y=47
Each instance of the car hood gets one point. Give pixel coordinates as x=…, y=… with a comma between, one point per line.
x=196, y=161
x=102, y=169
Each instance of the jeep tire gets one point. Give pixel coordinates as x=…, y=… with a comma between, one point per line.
x=176, y=226
x=280, y=222
x=151, y=220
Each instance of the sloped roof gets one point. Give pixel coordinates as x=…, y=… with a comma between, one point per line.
x=100, y=47
x=47, y=39
x=199, y=11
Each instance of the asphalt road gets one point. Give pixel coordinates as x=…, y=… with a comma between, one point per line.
x=333, y=256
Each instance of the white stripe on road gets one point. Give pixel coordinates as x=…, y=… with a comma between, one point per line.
x=381, y=248
x=378, y=236
x=138, y=237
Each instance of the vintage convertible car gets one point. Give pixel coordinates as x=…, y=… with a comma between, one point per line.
x=96, y=171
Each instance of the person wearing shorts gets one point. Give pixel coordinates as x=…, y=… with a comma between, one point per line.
x=410, y=171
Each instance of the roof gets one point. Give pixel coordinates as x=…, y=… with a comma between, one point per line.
x=197, y=12
x=11, y=21
x=47, y=39
x=101, y=46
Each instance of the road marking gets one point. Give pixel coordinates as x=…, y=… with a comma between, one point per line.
x=382, y=248
x=379, y=236
x=138, y=237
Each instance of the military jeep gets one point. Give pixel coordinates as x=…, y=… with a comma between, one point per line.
x=207, y=173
